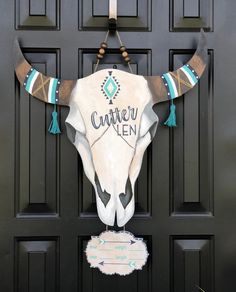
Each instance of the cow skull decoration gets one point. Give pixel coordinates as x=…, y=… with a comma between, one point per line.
x=111, y=122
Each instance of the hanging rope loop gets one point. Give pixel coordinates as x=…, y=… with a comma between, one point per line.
x=112, y=27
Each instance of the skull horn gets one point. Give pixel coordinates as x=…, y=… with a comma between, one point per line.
x=174, y=84
x=45, y=88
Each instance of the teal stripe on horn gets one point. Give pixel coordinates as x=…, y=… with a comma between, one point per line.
x=54, y=88
x=170, y=85
x=27, y=87
x=52, y=91
x=193, y=77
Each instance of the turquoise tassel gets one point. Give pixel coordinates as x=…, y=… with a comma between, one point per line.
x=54, y=126
x=171, y=121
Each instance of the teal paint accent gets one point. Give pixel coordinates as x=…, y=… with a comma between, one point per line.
x=120, y=247
x=172, y=93
x=102, y=241
x=54, y=126
x=185, y=67
x=27, y=87
x=171, y=121
x=92, y=247
x=53, y=95
x=132, y=264
x=122, y=258
x=110, y=82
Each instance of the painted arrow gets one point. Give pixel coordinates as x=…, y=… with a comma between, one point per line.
x=130, y=264
x=102, y=241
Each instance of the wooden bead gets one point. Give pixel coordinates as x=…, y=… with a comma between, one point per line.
x=99, y=56
x=101, y=51
x=127, y=59
x=125, y=54
x=122, y=48
x=104, y=45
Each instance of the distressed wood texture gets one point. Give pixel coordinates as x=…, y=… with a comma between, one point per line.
x=185, y=194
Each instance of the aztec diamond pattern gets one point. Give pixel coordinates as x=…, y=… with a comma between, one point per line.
x=110, y=87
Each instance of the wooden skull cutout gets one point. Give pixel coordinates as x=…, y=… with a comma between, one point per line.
x=111, y=122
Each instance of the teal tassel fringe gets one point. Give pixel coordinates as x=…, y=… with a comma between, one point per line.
x=54, y=126
x=171, y=121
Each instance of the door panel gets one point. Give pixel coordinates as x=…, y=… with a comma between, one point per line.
x=133, y=16
x=190, y=15
x=37, y=264
x=37, y=155
x=185, y=193
x=192, y=262
x=191, y=146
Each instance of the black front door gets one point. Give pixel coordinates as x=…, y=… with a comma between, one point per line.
x=185, y=194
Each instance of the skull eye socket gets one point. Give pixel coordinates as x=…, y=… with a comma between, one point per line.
x=126, y=198
x=103, y=195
